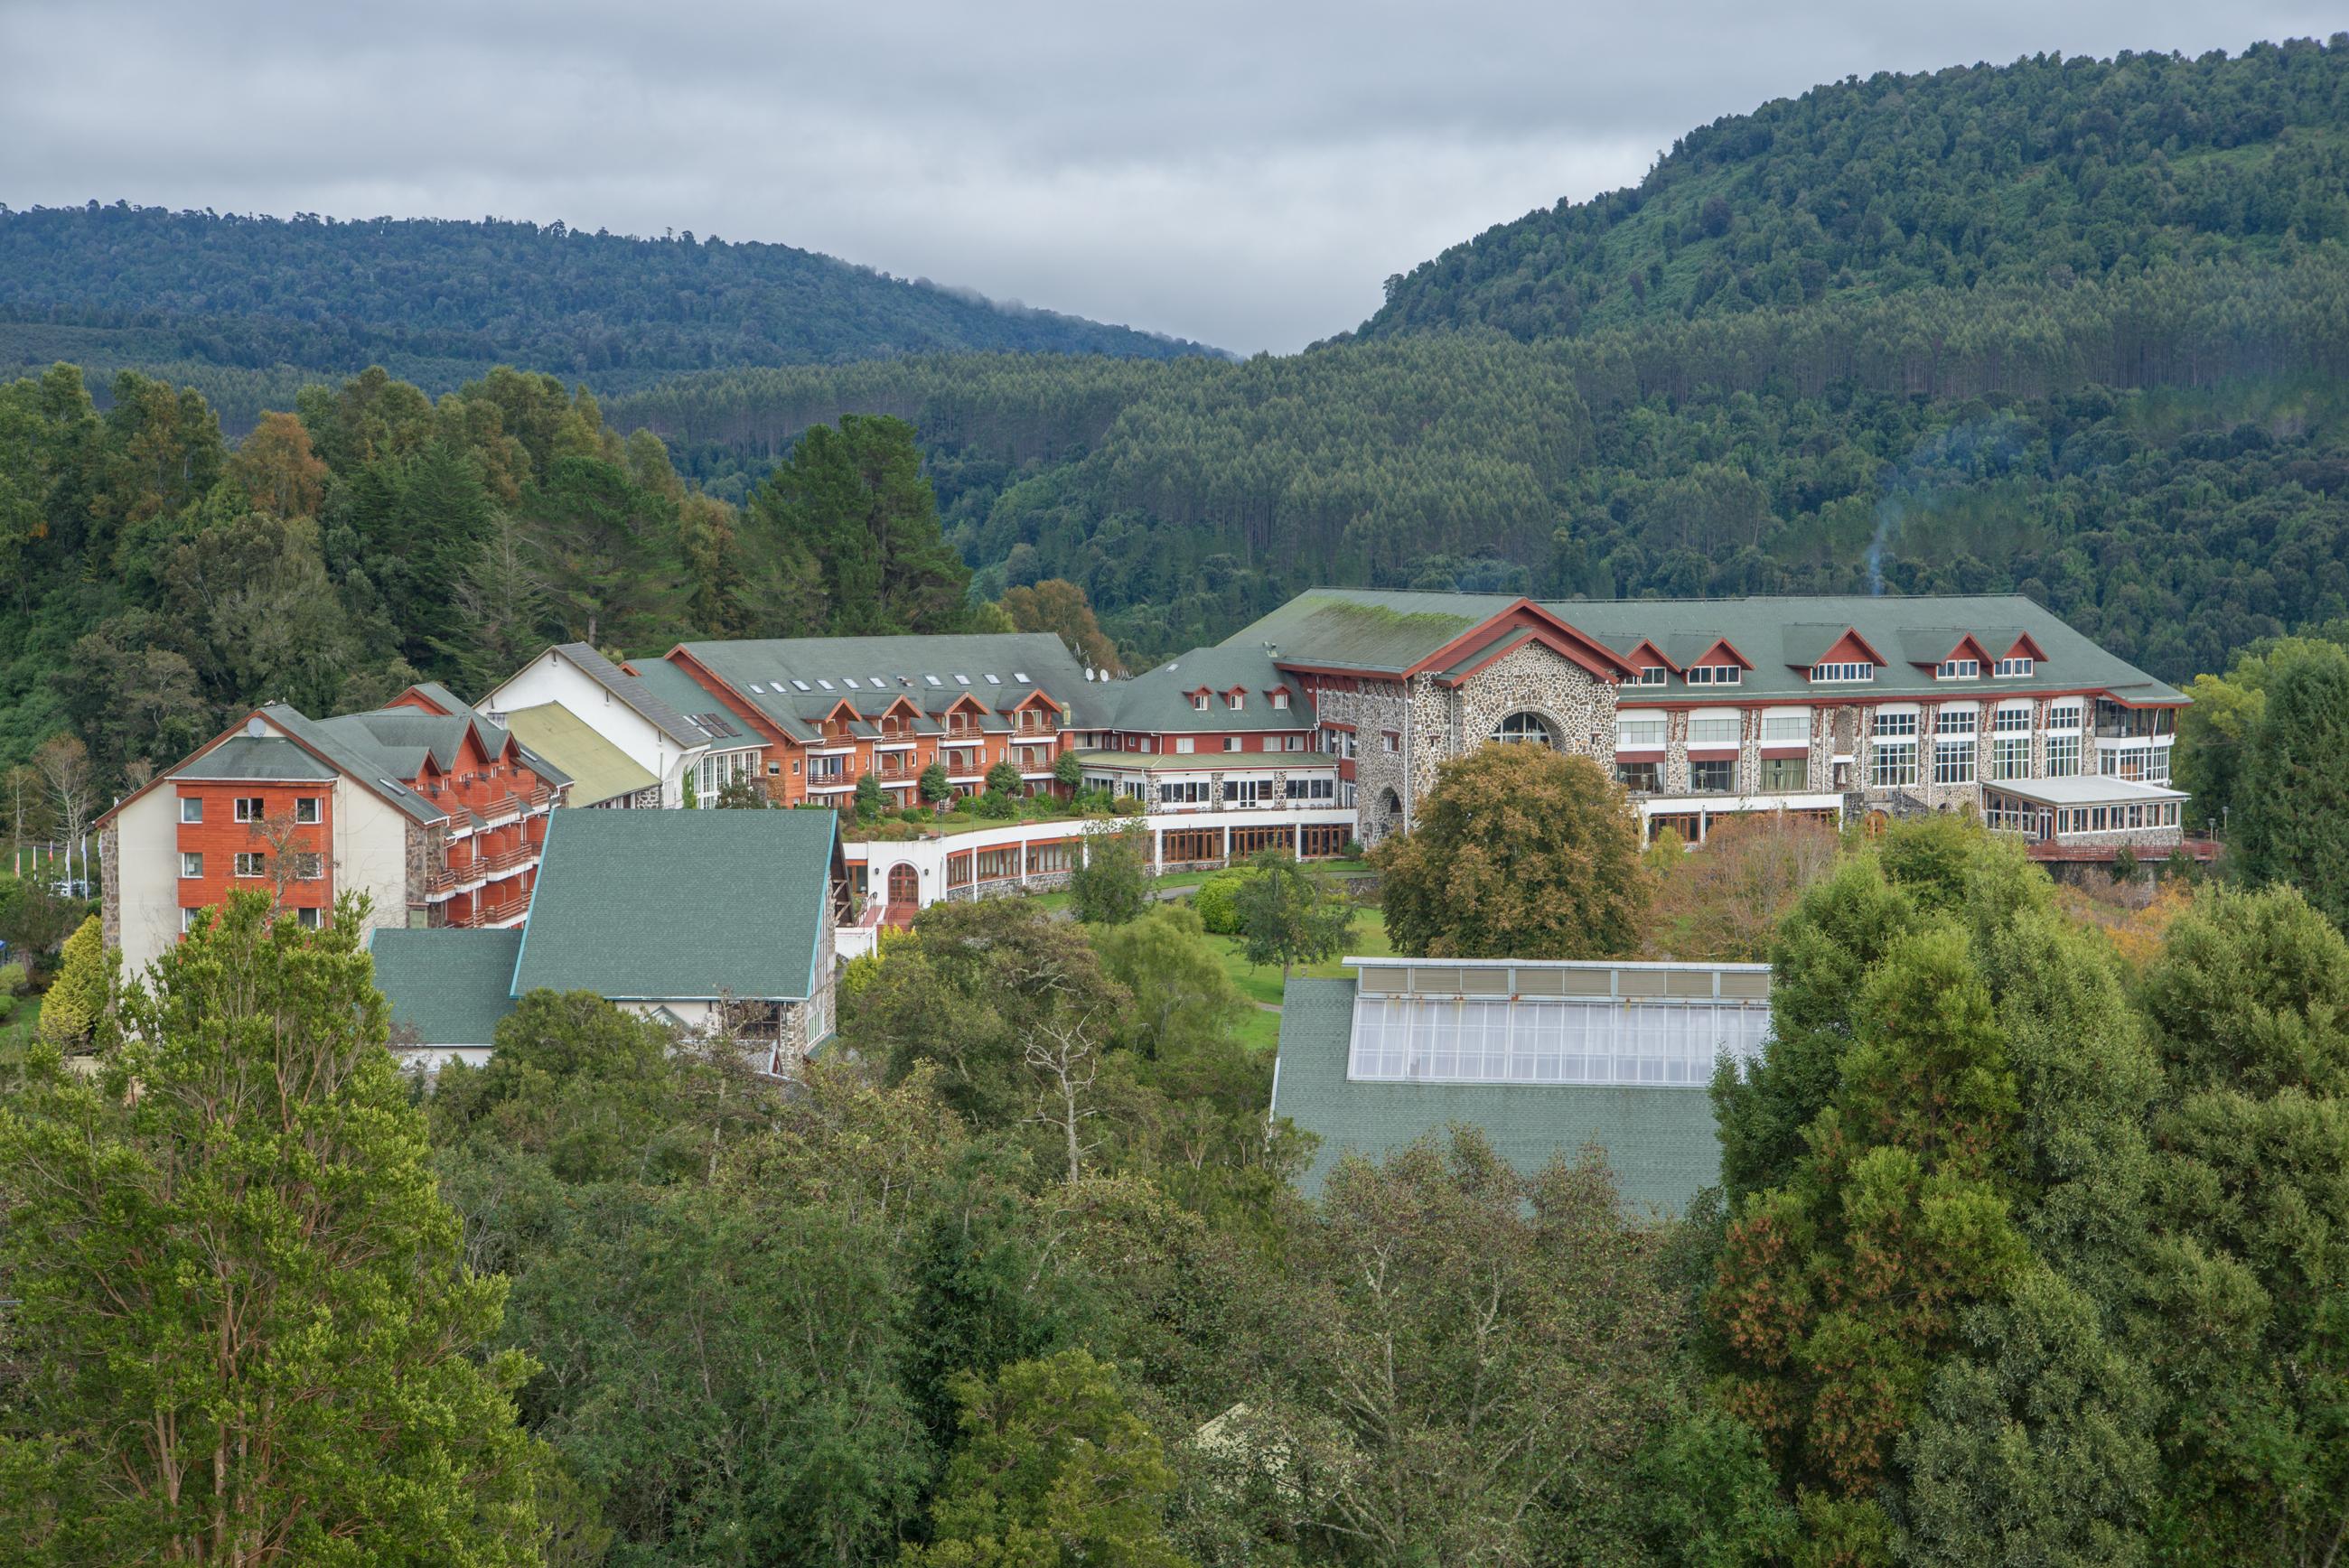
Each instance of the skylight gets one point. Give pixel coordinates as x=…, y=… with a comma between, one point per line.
x=962, y=680
x=800, y=684
x=934, y=680
x=1020, y=675
x=824, y=683
x=878, y=681
x=992, y=681
x=757, y=687
x=850, y=681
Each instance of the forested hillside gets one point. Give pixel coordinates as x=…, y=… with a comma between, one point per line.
x=2043, y=172
x=439, y=303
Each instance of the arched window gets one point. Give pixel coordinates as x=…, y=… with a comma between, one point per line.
x=1522, y=725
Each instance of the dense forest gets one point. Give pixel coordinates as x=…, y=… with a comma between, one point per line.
x=439, y=303
x=2048, y=171
x=2152, y=444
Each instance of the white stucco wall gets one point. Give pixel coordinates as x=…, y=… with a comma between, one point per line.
x=551, y=677
x=146, y=861
x=370, y=853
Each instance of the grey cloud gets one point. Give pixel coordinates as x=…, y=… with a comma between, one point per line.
x=1244, y=173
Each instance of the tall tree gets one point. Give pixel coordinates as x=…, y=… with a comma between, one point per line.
x=2291, y=796
x=853, y=499
x=1288, y=916
x=1520, y=851
x=251, y=1336
x=1060, y=606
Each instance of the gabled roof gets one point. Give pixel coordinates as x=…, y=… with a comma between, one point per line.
x=1805, y=646
x=597, y=769
x=449, y=987
x=243, y=758
x=355, y=753
x=639, y=694
x=699, y=712
x=794, y=681
x=679, y=905
x=1159, y=700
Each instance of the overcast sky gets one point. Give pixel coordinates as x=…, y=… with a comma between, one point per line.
x=1243, y=173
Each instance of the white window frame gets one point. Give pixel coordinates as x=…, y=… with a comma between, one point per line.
x=192, y=808
x=305, y=809
x=1627, y=739
x=192, y=865
x=250, y=865
x=1714, y=723
x=1958, y=670
x=1184, y=745
x=1842, y=672
x=252, y=808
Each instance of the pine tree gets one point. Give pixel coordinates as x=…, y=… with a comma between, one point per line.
x=76, y=999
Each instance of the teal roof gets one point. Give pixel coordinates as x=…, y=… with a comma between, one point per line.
x=1659, y=1142
x=245, y=756
x=449, y=987
x=647, y=702
x=679, y=905
x=703, y=714
x=1159, y=700
x=1784, y=635
x=997, y=667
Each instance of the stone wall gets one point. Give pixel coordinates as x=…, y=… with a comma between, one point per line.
x=110, y=884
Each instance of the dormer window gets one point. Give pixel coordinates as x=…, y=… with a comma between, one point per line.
x=1280, y=701
x=1861, y=671
x=2012, y=668
x=1199, y=701
x=1652, y=675
x=1714, y=675
x=1958, y=670
x=1238, y=699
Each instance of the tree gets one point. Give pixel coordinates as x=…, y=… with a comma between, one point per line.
x=854, y=501
x=1723, y=900
x=278, y=469
x=1288, y=916
x=933, y=785
x=63, y=763
x=2291, y=797
x=869, y=797
x=249, y=1253
x=1003, y=779
x=77, y=999
x=1114, y=882
x=1520, y=852
x=1068, y=772
x=1059, y=606
x=284, y=842
x=1051, y=1470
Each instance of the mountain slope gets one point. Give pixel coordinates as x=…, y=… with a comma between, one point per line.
x=441, y=302
x=2045, y=171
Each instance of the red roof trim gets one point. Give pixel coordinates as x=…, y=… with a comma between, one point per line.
x=1595, y=656
x=1649, y=648
x=1718, y=644
x=1558, y=645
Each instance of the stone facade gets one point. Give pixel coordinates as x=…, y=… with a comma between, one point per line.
x=109, y=883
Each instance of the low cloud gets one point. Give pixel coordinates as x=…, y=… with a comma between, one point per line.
x=1244, y=174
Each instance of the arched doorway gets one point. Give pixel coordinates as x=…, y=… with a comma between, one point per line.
x=1525, y=728
x=904, y=894
x=1390, y=813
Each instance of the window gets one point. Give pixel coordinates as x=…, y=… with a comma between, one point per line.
x=1186, y=745
x=1953, y=746
x=1716, y=674
x=1958, y=670
x=1652, y=675
x=251, y=863
x=1521, y=727
x=1292, y=743
x=1785, y=775
x=190, y=865
x=1863, y=671
x=2014, y=719
x=250, y=809
x=2012, y=667
x=1713, y=729
x=192, y=809
x=309, y=865
x=2063, y=716
x=1247, y=791
x=1634, y=731
x=1392, y=741
x=2009, y=757
x=828, y=768
x=1786, y=729
x=306, y=918
x=1893, y=762
x=1231, y=743
x=2063, y=757
x=1312, y=789
x=1712, y=775
x=1199, y=701
x=1280, y=701
x=1238, y=699
x=305, y=809
x=1638, y=776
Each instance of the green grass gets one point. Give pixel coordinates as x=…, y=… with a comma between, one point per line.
x=1263, y=985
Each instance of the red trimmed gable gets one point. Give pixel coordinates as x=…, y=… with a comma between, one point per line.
x=1646, y=652
x=1851, y=648
x=1569, y=643
x=2026, y=649
x=1721, y=646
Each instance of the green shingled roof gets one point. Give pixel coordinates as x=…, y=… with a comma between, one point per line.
x=1159, y=700
x=449, y=987
x=902, y=666
x=598, y=770
x=1659, y=1142
x=1783, y=636
x=678, y=905
x=243, y=756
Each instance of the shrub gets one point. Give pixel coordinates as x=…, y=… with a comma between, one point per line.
x=1219, y=903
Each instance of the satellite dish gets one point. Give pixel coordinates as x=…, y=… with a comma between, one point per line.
x=255, y=728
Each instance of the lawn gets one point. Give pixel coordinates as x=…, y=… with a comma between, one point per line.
x=1263, y=985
